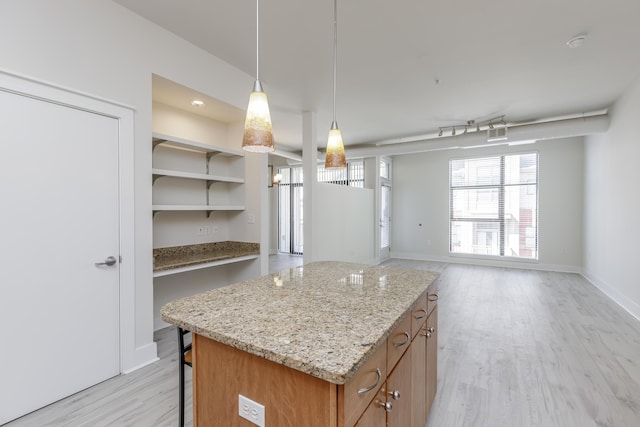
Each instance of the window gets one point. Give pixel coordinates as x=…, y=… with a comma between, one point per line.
x=494, y=206
x=353, y=175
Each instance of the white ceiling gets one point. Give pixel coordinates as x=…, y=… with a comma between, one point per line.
x=408, y=67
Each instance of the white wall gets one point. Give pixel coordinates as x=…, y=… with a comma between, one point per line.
x=343, y=220
x=420, y=207
x=612, y=204
x=101, y=48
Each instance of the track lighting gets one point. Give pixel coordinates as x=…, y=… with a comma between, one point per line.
x=471, y=124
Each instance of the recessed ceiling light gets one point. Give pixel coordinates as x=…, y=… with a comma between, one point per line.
x=577, y=41
x=197, y=103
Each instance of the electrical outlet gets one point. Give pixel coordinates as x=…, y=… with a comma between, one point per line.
x=250, y=410
x=200, y=231
x=206, y=229
x=251, y=218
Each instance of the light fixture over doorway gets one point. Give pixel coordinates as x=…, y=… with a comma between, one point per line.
x=335, y=157
x=258, y=135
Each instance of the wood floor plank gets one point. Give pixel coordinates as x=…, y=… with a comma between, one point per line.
x=516, y=348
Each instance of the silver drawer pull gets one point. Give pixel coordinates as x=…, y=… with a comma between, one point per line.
x=395, y=394
x=386, y=405
x=432, y=330
x=433, y=297
x=406, y=340
x=368, y=389
x=421, y=317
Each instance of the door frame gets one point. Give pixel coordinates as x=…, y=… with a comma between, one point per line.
x=26, y=86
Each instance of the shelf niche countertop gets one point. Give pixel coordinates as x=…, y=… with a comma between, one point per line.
x=189, y=255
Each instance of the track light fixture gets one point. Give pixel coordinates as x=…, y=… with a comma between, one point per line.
x=471, y=124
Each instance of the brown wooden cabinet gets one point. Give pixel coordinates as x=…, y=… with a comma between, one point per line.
x=432, y=357
x=399, y=393
x=394, y=387
x=375, y=415
x=418, y=378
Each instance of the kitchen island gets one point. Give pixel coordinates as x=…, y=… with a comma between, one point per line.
x=317, y=345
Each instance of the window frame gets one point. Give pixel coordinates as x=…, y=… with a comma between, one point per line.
x=501, y=219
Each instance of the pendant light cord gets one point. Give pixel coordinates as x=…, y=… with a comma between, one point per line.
x=257, y=39
x=335, y=54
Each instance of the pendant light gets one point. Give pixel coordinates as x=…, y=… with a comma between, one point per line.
x=335, y=158
x=258, y=136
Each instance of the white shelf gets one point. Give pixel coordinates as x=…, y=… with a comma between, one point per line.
x=175, y=142
x=191, y=175
x=204, y=265
x=197, y=208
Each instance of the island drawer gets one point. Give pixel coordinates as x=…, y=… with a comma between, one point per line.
x=398, y=342
x=418, y=315
x=364, y=386
x=432, y=297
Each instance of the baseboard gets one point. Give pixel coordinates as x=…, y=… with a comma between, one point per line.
x=158, y=324
x=623, y=301
x=145, y=355
x=525, y=265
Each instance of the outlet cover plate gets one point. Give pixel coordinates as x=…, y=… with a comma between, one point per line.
x=250, y=410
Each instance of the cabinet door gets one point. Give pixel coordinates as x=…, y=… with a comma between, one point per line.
x=418, y=351
x=375, y=415
x=399, y=383
x=432, y=356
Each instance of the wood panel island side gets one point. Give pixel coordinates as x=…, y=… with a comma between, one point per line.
x=328, y=344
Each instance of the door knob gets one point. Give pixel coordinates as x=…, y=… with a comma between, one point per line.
x=109, y=261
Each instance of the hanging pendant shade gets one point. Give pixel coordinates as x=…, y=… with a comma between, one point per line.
x=258, y=135
x=335, y=157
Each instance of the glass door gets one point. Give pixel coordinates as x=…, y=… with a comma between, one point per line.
x=385, y=221
x=290, y=211
x=385, y=208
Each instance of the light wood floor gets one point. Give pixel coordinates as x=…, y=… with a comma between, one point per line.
x=516, y=348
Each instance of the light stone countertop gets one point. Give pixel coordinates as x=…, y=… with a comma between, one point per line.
x=324, y=319
x=187, y=255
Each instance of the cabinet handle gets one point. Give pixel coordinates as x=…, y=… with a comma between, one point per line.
x=433, y=297
x=423, y=316
x=386, y=405
x=407, y=338
x=432, y=330
x=426, y=333
x=367, y=389
x=395, y=394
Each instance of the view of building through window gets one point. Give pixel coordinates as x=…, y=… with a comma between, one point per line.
x=494, y=206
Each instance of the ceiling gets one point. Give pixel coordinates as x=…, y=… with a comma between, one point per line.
x=408, y=67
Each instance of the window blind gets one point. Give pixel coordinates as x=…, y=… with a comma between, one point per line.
x=494, y=206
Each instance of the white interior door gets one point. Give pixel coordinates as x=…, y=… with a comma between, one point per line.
x=59, y=216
